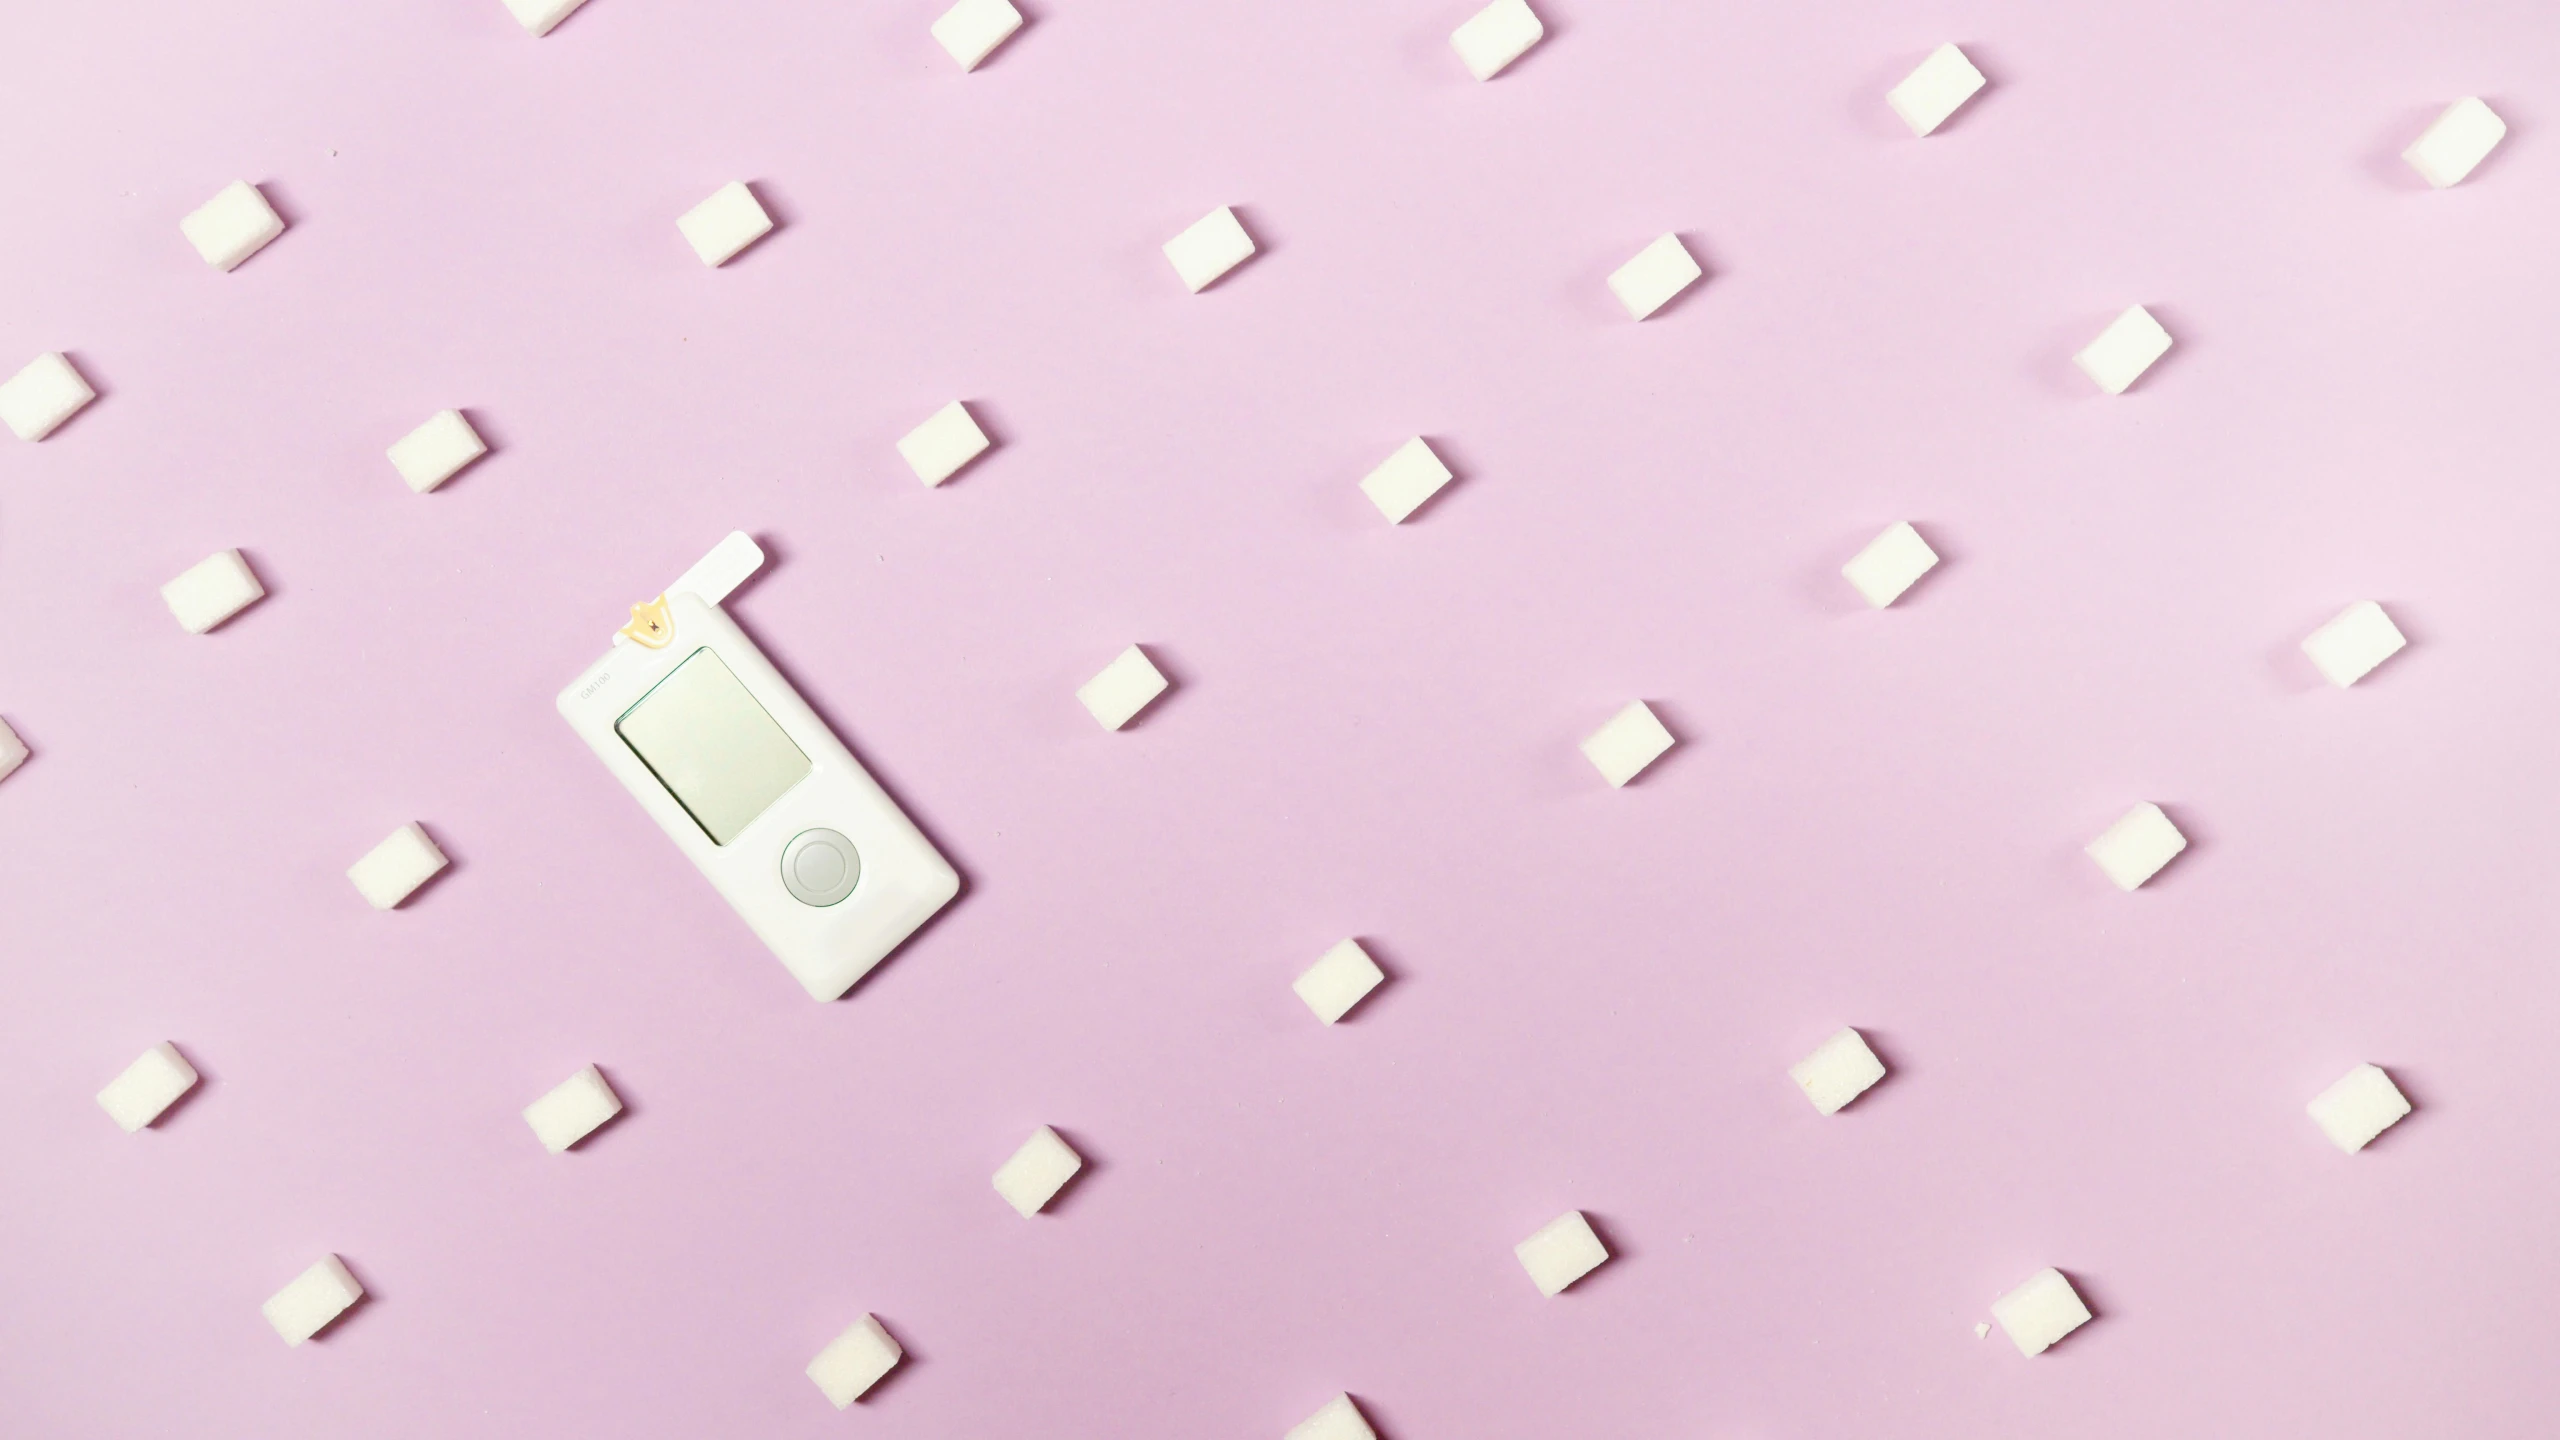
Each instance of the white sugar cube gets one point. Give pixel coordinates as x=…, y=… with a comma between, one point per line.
x=1209, y=249
x=1126, y=686
x=1338, y=1420
x=538, y=16
x=1659, y=271
x=1404, y=480
x=725, y=224
x=854, y=1362
x=1633, y=739
x=572, y=1110
x=1890, y=563
x=148, y=1086
x=434, y=452
x=972, y=29
x=2461, y=138
x=1495, y=36
x=316, y=1297
x=937, y=449
x=211, y=591
x=2348, y=647
x=2136, y=846
x=2039, y=1312
x=405, y=860
x=1564, y=1250
x=1837, y=1072
x=2363, y=1104
x=1982, y=1331
x=1037, y=1171
x=1928, y=95
x=232, y=226
x=2123, y=350
x=1341, y=979
x=43, y=395
x=13, y=751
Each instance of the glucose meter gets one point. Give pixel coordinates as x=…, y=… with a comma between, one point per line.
x=752, y=786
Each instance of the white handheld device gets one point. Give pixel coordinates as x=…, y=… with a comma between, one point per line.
x=752, y=786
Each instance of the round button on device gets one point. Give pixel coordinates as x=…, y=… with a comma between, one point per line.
x=819, y=867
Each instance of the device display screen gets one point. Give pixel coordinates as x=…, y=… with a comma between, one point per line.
x=713, y=747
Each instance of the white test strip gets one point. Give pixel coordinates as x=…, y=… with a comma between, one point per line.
x=723, y=570
x=715, y=575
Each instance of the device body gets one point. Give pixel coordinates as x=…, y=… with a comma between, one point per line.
x=756, y=791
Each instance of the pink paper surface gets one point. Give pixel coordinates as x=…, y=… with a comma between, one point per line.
x=1874, y=819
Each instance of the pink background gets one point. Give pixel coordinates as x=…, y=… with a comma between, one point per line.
x=1874, y=819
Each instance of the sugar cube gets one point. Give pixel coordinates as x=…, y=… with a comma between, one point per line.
x=2348, y=647
x=937, y=449
x=2461, y=138
x=13, y=751
x=1982, y=1331
x=211, y=591
x=1838, y=1071
x=2123, y=350
x=854, y=1361
x=317, y=1296
x=2136, y=846
x=1342, y=978
x=434, y=452
x=538, y=16
x=725, y=224
x=1338, y=1420
x=43, y=395
x=2040, y=1311
x=972, y=29
x=1037, y=1171
x=148, y=1086
x=572, y=1110
x=1126, y=686
x=232, y=226
x=1890, y=563
x=1659, y=271
x=1564, y=1250
x=1633, y=739
x=1209, y=249
x=2363, y=1104
x=405, y=860
x=1405, y=479
x=1495, y=36
x=1928, y=95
